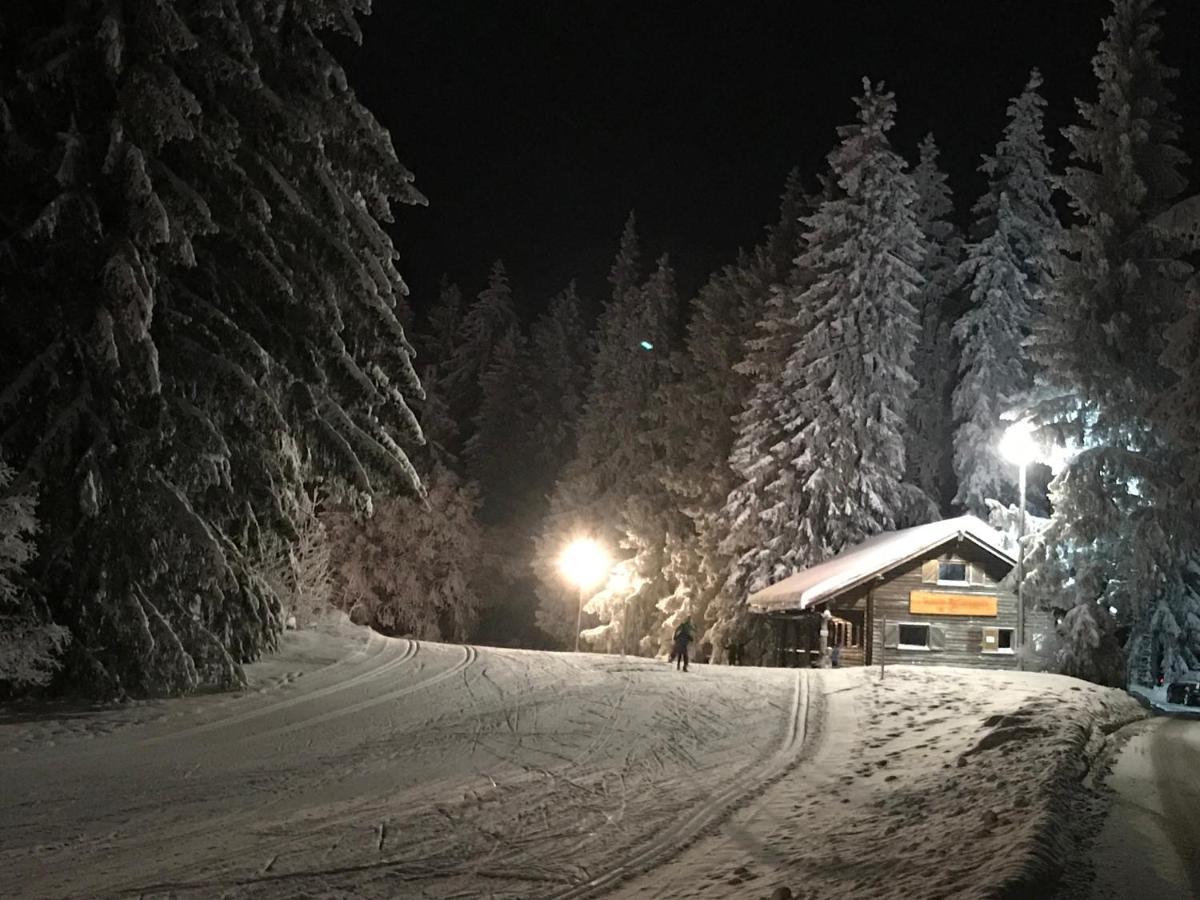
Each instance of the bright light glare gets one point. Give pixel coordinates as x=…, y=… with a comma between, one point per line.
x=1059, y=457
x=583, y=562
x=1017, y=445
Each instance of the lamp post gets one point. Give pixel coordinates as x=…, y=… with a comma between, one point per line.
x=583, y=563
x=1018, y=447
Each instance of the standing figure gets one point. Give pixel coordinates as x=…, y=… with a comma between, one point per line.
x=733, y=653
x=684, y=635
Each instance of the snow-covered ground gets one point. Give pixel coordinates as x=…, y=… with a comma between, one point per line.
x=368, y=767
x=934, y=782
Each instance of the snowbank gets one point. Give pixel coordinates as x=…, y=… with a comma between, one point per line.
x=333, y=643
x=931, y=783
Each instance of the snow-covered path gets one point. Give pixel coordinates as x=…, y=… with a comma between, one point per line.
x=1150, y=845
x=404, y=769
x=360, y=766
x=929, y=783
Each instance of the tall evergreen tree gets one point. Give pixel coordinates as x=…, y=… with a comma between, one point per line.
x=608, y=427
x=558, y=378
x=650, y=524
x=995, y=370
x=613, y=459
x=930, y=428
x=850, y=373
x=821, y=451
x=1117, y=541
x=1008, y=270
x=1021, y=168
x=500, y=453
x=701, y=406
x=439, y=340
x=483, y=326
x=30, y=651
x=1177, y=415
x=200, y=304
x=534, y=406
x=436, y=345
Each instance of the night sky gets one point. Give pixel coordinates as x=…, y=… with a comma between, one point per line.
x=535, y=127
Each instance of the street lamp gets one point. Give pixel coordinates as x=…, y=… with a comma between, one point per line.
x=1019, y=448
x=584, y=563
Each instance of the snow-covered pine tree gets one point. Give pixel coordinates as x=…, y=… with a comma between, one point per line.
x=1178, y=415
x=500, y=454
x=200, y=303
x=612, y=462
x=930, y=430
x=438, y=341
x=18, y=523
x=30, y=649
x=700, y=407
x=995, y=370
x=410, y=567
x=299, y=569
x=524, y=434
x=849, y=378
x=750, y=525
x=436, y=345
x=650, y=522
x=1008, y=272
x=578, y=504
x=1118, y=544
x=558, y=377
x=820, y=451
x=485, y=323
x=1021, y=168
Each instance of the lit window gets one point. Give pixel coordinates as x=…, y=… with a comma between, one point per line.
x=914, y=637
x=952, y=571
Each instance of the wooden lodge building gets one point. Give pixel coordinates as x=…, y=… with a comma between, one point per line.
x=934, y=594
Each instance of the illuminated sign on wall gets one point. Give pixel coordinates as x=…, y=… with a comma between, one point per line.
x=936, y=603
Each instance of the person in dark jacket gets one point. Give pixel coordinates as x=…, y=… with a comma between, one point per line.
x=684, y=635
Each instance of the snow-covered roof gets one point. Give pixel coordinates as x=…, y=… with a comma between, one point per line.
x=872, y=557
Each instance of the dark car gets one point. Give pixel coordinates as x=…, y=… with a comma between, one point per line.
x=1185, y=692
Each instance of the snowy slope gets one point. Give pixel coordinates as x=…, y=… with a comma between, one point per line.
x=930, y=783
x=374, y=767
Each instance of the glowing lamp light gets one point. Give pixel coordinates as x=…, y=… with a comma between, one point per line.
x=583, y=563
x=646, y=345
x=1018, y=445
x=1059, y=456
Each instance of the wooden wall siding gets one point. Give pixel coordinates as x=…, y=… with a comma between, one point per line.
x=852, y=656
x=888, y=596
x=963, y=635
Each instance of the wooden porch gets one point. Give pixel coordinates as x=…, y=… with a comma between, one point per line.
x=808, y=639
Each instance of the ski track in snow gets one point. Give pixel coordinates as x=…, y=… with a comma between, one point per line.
x=675, y=838
x=371, y=767
x=407, y=768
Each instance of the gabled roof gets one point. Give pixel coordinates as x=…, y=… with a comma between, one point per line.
x=872, y=557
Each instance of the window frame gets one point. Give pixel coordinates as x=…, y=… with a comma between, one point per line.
x=999, y=651
x=900, y=645
x=966, y=579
